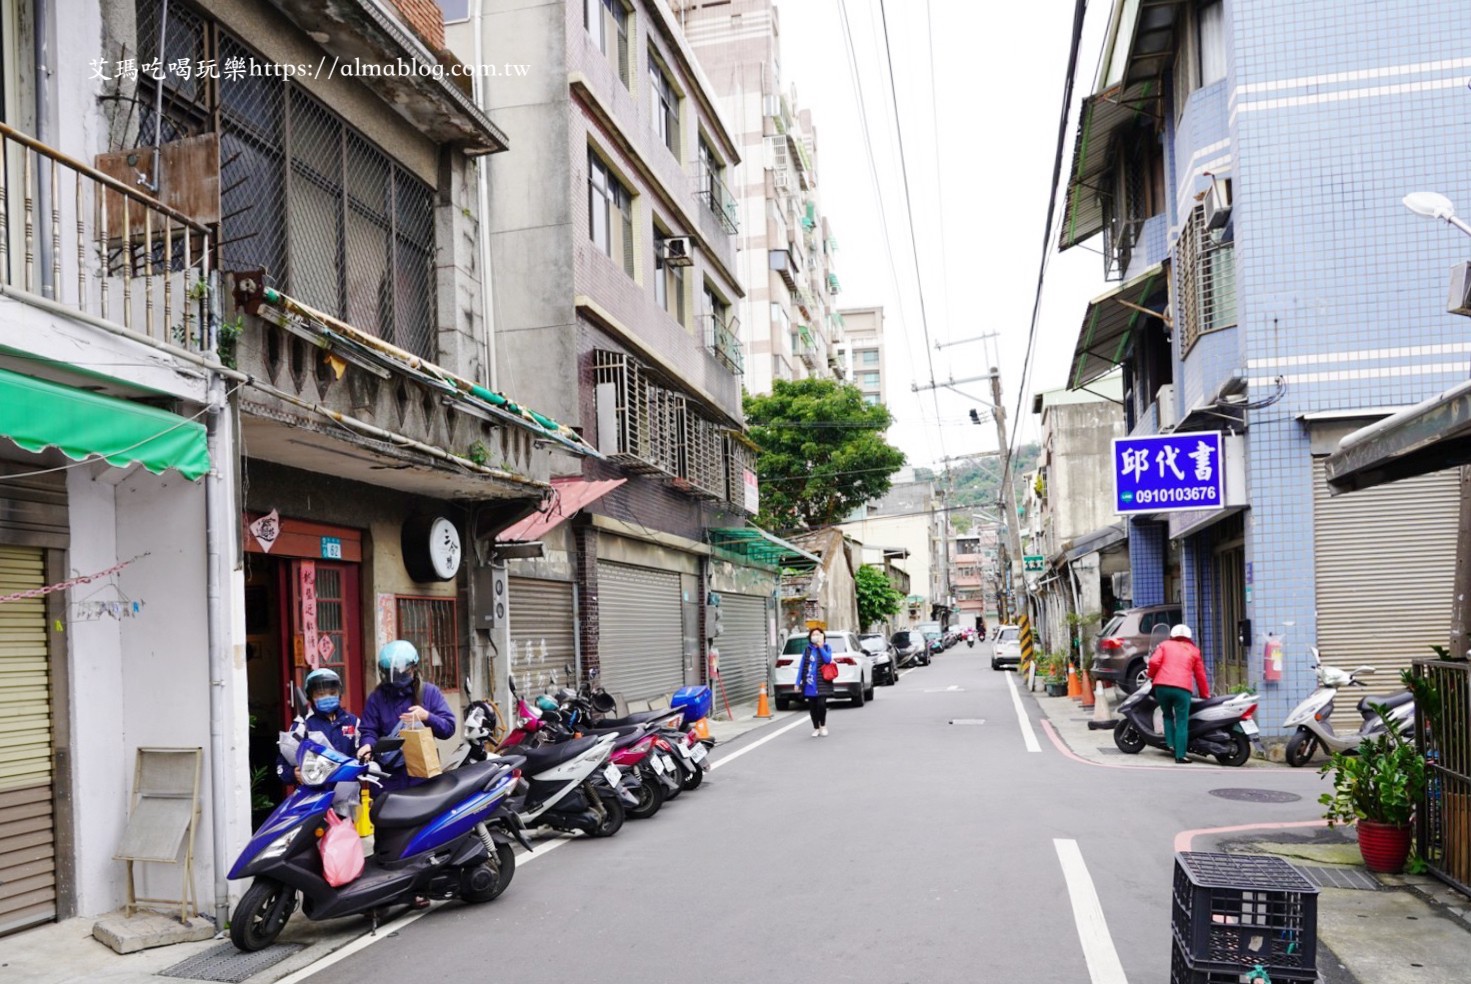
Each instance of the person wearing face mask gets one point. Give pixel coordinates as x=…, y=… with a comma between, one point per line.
x=814, y=686
x=327, y=717
x=402, y=700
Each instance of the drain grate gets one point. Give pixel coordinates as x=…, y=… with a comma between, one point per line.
x=1109, y=750
x=1256, y=795
x=967, y=720
x=225, y=963
x=1356, y=878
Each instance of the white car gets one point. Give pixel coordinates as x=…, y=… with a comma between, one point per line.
x=1007, y=649
x=855, y=670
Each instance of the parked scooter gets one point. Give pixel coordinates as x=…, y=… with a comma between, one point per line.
x=1312, y=717
x=1219, y=726
x=447, y=837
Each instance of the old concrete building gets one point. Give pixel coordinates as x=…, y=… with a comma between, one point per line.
x=910, y=518
x=788, y=260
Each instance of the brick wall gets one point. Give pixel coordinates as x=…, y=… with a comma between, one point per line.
x=426, y=20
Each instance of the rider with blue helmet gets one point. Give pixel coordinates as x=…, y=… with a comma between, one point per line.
x=325, y=716
x=401, y=699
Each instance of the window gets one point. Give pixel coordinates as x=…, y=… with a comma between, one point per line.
x=870, y=380
x=455, y=10
x=1211, y=39
x=430, y=624
x=1205, y=279
x=872, y=399
x=607, y=23
x=712, y=190
x=610, y=213
x=869, y=357
x=668, y=280
x=664, y=105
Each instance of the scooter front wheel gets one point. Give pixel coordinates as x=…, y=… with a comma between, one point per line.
x=261, y=914
x=1128, y=738
x=1300, y=748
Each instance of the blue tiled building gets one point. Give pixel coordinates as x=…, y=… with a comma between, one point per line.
x=1244, y=162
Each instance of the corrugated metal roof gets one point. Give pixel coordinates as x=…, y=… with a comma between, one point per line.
x=1103, y=115
x=1108, y=325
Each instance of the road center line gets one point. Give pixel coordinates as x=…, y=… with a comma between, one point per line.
x=759, y=742
x=1028, y=735
x=1098, y=949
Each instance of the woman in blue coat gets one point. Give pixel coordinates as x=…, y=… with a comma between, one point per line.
x=401, y=700
x=817, y=653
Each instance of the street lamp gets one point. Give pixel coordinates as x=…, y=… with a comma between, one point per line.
x=1433, y=205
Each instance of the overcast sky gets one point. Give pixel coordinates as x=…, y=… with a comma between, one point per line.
x=979, y=157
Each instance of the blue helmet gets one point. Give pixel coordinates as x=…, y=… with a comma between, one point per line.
x=322, y=679
x=398, y=661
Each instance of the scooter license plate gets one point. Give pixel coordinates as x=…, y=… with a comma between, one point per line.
x=699, y=752
x=658, y=763
x=613, y=776
x=1250, y=728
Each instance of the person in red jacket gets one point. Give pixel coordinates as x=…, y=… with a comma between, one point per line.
x=1172, y=666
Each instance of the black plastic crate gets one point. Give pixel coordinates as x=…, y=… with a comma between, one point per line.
x=1239, y=910
x=1184, y=971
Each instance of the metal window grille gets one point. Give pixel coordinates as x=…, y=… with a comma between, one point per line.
x=1205, y=283
x=432, y=626
x=705, y=457
x=631, y=444
x=667, y=435
x=738, y=460
x=332, y=219
x=723, y=340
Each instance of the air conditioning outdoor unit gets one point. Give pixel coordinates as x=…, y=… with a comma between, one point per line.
x=1165, y=400
x=1217, y=204
x=1460, y=299
x=678, y=252
x=783, y=180
x=771, y=105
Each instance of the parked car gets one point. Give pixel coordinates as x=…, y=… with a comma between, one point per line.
x=1007, y=650
x=885, y=660
x=911, y=647
x=855, y=670
x=1122, y=648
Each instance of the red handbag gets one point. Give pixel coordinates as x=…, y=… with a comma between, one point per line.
x=829, y=671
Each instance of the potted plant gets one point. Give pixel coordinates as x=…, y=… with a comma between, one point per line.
x=1055, y=666
x=1377, y=789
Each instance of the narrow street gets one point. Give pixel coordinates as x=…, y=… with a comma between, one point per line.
x=920, y=842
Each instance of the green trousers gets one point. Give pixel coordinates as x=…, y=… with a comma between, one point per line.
x=1175, y=703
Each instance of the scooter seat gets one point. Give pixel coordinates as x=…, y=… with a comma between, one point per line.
x=1197, y=704
x=419, y=804
x=551, y=756
x=638, y=717
x=630, y=734
x=1392, y=700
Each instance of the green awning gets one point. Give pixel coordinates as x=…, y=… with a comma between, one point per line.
x=755, y=545
x=37, y=414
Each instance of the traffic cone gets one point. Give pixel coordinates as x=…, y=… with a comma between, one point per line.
x=762, y=710
x=1102, y=719
x=1088, y=696
x=1074, y=690
x=702, y=729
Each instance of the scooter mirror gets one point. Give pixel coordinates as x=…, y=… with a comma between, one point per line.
x=468, y=692
x=1365, y=671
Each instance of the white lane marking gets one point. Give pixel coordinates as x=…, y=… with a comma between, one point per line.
x=1098, y=949
x=404, y=921
x=1028, y=735
x=758, y=743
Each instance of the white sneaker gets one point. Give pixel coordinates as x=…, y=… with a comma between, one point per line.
x=816, y=732
x=823, y=730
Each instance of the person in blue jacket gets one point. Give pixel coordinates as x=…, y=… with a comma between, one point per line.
x=810, y=681
x=327, y=717
x=400, y=700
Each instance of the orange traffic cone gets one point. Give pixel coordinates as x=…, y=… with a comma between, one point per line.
x=762, y=710
x=1073, y=690
x=1087, y=691
x=702, y=729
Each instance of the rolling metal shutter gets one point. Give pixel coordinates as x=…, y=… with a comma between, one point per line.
x=641, y=631
x=1384, y=563
x=543, y=632
x=27, y=847
x=744, y=655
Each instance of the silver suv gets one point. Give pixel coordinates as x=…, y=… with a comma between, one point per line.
x=1122, y=649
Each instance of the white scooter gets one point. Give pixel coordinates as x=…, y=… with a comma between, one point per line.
x=1311, y=717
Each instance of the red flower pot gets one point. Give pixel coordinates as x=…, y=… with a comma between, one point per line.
x=1384, y=846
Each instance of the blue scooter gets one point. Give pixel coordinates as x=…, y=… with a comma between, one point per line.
x=443, y=838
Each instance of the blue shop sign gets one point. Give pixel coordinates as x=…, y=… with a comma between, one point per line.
x=1168, y=472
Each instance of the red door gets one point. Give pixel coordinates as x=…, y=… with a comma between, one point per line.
x=325, y=622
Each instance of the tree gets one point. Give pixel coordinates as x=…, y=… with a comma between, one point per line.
x=823, y=452
x=877, y=598
x=960, y=522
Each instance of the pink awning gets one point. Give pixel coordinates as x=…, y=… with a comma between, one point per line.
x=569, y=496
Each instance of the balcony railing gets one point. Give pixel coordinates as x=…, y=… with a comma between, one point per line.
x=806, y=345
x=75, y=236
x=720, y=202
x=722, y=338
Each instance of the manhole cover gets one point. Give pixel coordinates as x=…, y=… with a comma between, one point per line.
x=225, y=963
x=1109, y=750
x=967, y=720
x=1256, y=795
x=1339, y=877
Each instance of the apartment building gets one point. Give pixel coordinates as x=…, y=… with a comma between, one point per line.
x=1245, y=165
x=862, y=353
x=612, y=249
x=788, y=251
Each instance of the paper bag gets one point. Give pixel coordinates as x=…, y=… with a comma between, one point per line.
x=421, y=753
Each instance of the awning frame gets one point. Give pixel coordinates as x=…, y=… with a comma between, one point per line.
x=752, y=543
x=1431, y=436
x=1120, y=312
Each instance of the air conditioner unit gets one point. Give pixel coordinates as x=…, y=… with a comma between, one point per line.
x=1217, y=204
x=678, y=251
x=771, y=105
x=1165, y=400
x=1123, y=585
x=1460, y=299
x=783, y=180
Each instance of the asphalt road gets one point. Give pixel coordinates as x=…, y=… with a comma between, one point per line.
x=901, y=848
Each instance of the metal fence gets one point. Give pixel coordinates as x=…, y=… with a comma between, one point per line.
x=1444, y=817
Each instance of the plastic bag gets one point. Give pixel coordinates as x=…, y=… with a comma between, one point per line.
x=342, y=851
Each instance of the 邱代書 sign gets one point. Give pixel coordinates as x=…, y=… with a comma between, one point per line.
x=1168, y=472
